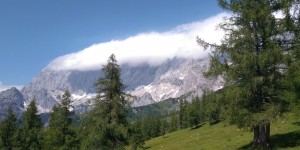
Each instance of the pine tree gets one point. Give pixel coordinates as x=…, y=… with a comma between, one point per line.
x=174, y=122
x=147, y=127
x=252, y=58
x=183, y=114
x=31, y=128
x=137, y=138
x=8, y=129
x=211, y=106
x=163, y=127
x=108, y=124
x=193, y=111
x=61, y=133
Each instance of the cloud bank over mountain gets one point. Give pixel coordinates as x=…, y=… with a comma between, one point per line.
x=152, y=48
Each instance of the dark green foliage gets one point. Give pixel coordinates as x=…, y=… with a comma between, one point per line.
x=293, y=75
x=151, y=127
x=8, y=130
x=61, y=134
x=253, y=58
x=106, y=125
x=211, y=108
x=194, y=113
x=137, y=138
x=163, y=127
x=30, y=131
x=174, y=123
x=183, y=115
x=154, y=110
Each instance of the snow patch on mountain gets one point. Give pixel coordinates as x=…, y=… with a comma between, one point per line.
x=185, y=78
x=77, y=99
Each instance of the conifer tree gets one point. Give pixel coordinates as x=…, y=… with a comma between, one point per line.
x=163, y=127
x=293, y=75
x=193, y=111
x=61, y=133
x=107, y=125
x=174, y=122
x=8, y=129
x=211, y=107
x=253, y=60
x=183, y=113
x=30, y=130
x=137, y=138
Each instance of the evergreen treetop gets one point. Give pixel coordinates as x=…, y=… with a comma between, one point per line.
x=253, y=59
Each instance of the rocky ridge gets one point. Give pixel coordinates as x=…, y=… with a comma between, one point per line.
x=185, y=78
x=11, y=98
x=149, y=84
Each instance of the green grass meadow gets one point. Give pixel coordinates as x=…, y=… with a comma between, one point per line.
x=285, y=134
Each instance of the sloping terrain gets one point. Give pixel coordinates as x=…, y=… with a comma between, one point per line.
x=285, y=134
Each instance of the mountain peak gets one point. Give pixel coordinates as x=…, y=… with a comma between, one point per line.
x=11, y=92
x=11, y=98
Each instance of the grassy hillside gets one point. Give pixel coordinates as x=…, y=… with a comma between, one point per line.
x=285, y=134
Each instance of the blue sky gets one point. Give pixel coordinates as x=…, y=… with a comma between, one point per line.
x=34, y=32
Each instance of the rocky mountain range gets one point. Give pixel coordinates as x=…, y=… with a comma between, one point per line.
x=149, y=84
x=185, y=77
x=11, y=98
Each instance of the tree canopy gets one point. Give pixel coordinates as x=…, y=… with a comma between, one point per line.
x=107, y=125
x=253, y=59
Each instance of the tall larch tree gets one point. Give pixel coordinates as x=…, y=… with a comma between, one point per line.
x=253, y=59
x=108, y=126
x=293, y=24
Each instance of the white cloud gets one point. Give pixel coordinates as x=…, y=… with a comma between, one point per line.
x=152, y=47
x=5, y=87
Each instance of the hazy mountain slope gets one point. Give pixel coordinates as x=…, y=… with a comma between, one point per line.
x=48, y=86
x=11, y=97
x=150, y=84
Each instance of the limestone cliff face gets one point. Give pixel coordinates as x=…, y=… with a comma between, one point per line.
x=185, y=78
x=150, y=84
x=48, y=86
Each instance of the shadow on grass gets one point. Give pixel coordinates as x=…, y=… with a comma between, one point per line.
x=215, y=122
x=198, y=126
x=279, y=141
x=147, y=147
x=297, y=123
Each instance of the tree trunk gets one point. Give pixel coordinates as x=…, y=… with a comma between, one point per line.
x=267, y=135
x=255, y=135
x=262, y=132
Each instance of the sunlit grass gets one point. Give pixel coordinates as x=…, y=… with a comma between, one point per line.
x=285, y=134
